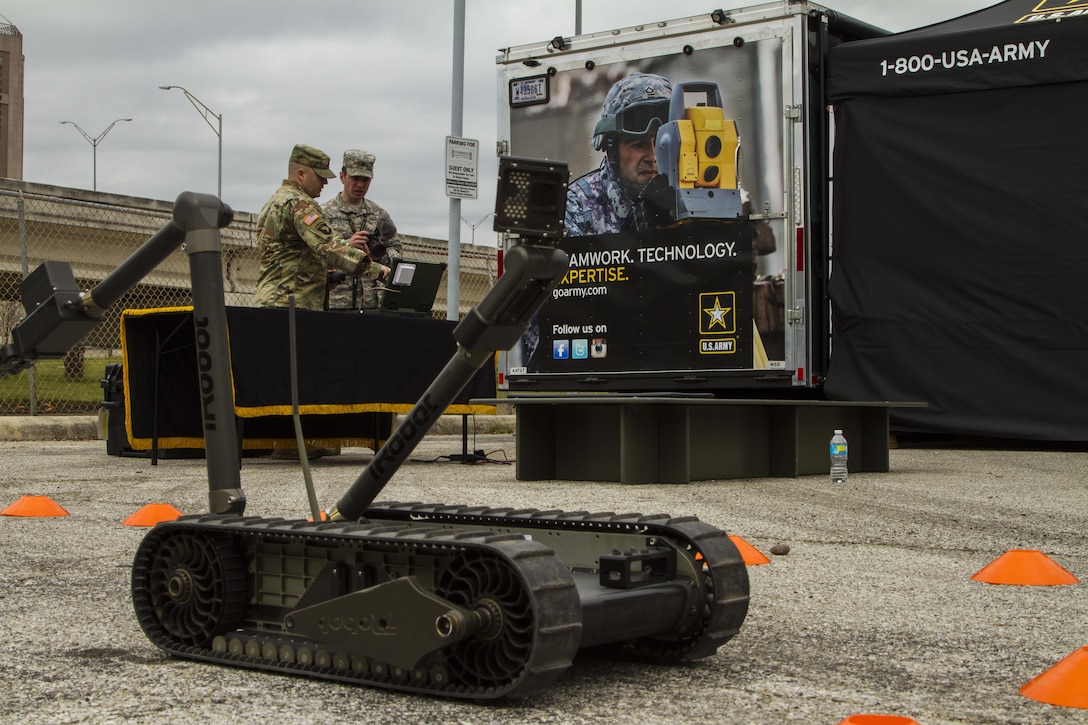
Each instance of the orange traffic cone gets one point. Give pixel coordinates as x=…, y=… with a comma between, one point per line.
x=751, y=555
x=878, y=720
x=1065, y=684
x=1026, y=567
x=152, y=514
x=34, y=506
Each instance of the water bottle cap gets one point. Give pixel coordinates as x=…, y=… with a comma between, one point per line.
x=838, y=432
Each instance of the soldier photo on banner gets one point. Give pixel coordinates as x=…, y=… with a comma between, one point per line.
x=648, y=289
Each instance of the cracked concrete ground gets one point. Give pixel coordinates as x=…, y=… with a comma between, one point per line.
x=873, y=609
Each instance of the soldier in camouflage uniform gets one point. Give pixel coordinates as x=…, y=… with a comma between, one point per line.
x=350, y=212
x=605, y=200
x=609, y=198
x=297, y=245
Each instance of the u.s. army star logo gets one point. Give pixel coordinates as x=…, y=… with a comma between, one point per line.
x=718, y=313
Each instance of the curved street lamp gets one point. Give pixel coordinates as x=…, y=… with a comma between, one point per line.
x=207, y=114
x=473, y=226
x=94, y=141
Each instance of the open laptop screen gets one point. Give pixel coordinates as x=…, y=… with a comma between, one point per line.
x=412, y=286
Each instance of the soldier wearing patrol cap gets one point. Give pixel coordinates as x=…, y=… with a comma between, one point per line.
x=296, y=243
x=350, y=212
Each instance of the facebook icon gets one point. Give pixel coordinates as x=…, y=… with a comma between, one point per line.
x=560, y=349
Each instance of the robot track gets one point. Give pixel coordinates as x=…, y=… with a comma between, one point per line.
x=473, y=603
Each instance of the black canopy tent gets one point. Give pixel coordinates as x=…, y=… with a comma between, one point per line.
x=960, y=222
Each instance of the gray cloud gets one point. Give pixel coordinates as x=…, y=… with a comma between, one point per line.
x=334, y=74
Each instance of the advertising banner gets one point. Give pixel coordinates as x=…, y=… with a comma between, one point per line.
x=679, y=298
x=645, y=294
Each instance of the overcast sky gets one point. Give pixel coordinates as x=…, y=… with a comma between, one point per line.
x=335, y=74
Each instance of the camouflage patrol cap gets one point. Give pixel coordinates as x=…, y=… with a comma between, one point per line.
x=359, y=163
x=315, y=159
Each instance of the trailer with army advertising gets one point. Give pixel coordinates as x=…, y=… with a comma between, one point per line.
x=908, y=230
x=712, y=276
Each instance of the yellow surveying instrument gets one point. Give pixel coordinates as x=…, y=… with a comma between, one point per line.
x=697, y=152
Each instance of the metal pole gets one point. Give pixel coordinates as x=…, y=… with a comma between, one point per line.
x=207, y=114
x=453, y=256
x=94, y=146
x=300, y=440
x=219, y=175
x=24, y=260
x=473, y=226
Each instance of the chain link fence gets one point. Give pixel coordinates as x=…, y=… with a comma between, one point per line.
x=94, y=233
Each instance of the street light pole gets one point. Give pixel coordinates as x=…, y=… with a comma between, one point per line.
x=207, y=113
x=473, y=226
x=94, y=146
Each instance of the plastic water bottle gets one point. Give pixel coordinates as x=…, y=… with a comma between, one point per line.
x=839, y=453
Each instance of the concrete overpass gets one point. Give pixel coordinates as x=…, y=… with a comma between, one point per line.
x=95, y=231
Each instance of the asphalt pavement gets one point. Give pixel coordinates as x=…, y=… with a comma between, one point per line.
x=872, y=610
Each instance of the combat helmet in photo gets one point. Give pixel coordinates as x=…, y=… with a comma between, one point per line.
x=636, y=105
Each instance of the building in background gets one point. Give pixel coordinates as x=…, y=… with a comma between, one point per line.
x=11, y=101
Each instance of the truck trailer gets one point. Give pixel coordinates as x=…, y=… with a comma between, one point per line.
x=699, y=302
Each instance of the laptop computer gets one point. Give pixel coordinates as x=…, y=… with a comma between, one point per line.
x=412, y=286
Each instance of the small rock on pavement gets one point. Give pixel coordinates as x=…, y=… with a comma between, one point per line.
x=780, y=549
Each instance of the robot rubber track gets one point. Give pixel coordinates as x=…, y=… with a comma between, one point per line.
x=473, y=603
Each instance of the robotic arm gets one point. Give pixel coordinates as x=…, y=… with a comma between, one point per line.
x=59, y=314
x=531, y=202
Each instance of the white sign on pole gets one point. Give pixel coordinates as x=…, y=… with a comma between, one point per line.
x=461, y=167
